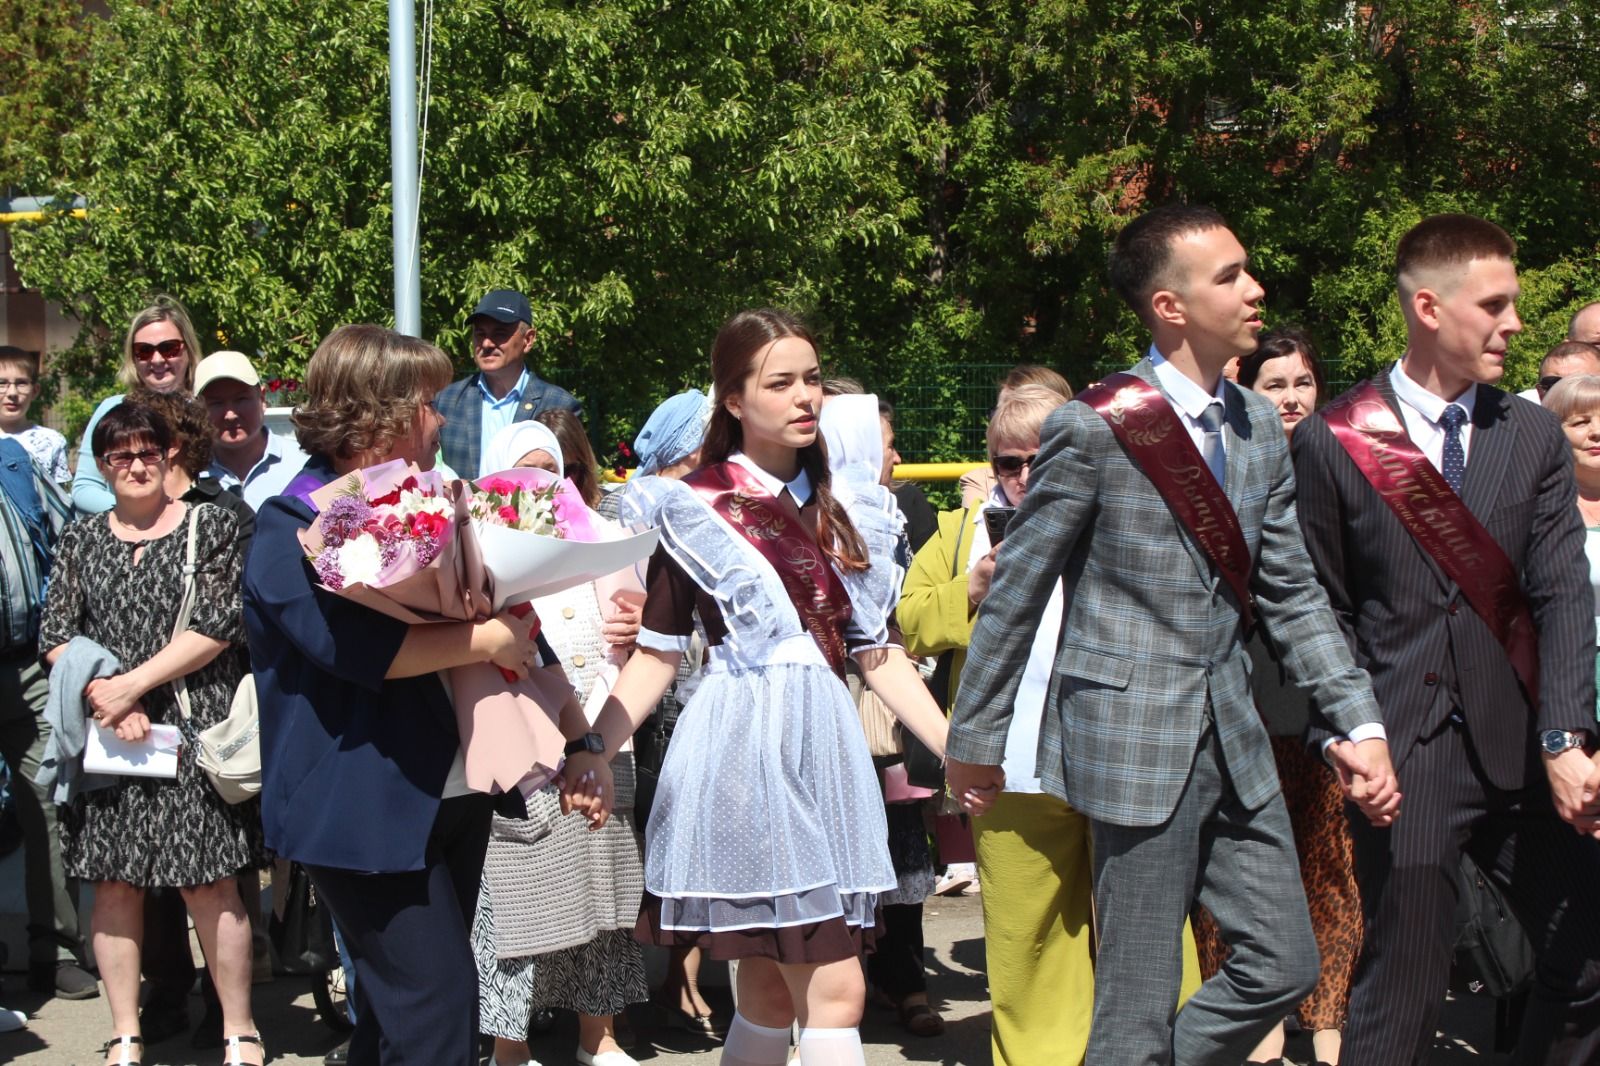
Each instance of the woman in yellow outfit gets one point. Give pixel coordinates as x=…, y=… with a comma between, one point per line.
x=1033, y=849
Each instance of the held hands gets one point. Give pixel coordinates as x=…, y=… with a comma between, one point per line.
x=621, y=627
x=974, y=787
x=1575, y=787
x=1367, y=778
x=115, y=703
x=511, y=642
x=587, y=788
x=980, y=578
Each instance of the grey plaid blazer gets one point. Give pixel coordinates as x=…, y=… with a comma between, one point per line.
x=1150, y=635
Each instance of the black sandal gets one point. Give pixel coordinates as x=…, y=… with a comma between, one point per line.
x=123, y=1043
x=919, y=1019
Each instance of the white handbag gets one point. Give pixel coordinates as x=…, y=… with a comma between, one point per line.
x=230, y=751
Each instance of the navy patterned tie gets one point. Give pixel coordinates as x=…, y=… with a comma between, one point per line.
x=1455, y=457
x=1211, y=443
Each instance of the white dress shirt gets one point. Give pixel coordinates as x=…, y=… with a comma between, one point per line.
x=1422, y=411
x=799, y=488
x=1189, y=399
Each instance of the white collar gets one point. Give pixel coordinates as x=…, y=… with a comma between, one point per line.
x=799, y=488
x=1191, y=399
x=1426, y=403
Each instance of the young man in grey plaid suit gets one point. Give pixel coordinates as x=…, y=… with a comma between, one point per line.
x=1150, y=729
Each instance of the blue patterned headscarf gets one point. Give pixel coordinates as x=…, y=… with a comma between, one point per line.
x=673, y=431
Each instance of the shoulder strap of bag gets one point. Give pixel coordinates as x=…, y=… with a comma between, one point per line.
x=191, y=593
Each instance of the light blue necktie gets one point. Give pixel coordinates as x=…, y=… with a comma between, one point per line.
x=1211, y=442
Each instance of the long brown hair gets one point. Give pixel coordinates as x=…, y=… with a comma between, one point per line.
x=739, y=342
x=581, y=466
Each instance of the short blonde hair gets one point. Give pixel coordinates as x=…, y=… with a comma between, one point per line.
x=364, y=386
x=162, y=309
x=1576, y=395
x=1021, y=414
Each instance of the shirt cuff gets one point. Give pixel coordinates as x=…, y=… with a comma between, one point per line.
x=1367, y=731
x=665, y=642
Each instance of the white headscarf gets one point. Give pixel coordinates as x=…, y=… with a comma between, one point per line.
x=517, y=440
x=854, y=438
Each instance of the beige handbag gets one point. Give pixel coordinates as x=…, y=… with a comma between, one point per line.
x=877, y=721
x=230, y=751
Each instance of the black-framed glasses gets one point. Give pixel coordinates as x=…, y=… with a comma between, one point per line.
x=123, y=460
x=144, y=351
x=1011, y=465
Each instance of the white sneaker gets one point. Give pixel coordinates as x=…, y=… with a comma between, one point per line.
x=606, y=1058
x=12, y=1020
x=955, y=879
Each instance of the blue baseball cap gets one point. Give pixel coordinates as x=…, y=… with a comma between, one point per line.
x=504, y=305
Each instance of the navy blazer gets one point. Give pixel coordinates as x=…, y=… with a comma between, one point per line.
x=461, y=402
x=352, y=765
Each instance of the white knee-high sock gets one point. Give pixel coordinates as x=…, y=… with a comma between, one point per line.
x=749, y=1044
x=831, y=1047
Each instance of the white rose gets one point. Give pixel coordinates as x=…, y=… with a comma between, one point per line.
x=360, y=560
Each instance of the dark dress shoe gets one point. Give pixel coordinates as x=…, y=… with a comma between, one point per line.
x=160, y=1022
x=63, y=980
x=338, y=1056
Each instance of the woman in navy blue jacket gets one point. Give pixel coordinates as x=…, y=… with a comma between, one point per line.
x=361, y=767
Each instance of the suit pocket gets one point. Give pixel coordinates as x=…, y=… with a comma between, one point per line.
x=1096, y=667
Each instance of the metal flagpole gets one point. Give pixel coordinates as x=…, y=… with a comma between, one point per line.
x=403, y=165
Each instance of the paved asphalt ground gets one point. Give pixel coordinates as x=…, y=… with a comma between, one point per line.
x=67, y=1034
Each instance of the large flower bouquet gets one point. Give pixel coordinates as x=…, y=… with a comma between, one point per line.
x=404, y=542
x=388, y=537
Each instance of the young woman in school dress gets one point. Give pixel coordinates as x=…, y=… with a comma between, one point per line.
x=767, y=842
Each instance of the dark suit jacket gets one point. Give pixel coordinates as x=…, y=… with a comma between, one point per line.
x=1428, y=651
x=461, y=402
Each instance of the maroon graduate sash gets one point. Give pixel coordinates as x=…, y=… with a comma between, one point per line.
x=1160, y=446
x=1376, y=438
x=783, y=540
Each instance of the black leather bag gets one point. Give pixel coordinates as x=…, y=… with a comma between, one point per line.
x=303, y=938
x=1493, y=953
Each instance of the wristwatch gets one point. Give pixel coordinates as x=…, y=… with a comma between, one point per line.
x=593, y=743
x=1556, y=741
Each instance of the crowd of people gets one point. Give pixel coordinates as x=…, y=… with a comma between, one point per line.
x=1211, y=684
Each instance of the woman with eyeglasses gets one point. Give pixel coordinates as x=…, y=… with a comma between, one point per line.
x=158, y=353
x=114, y=599
x=1032, y=848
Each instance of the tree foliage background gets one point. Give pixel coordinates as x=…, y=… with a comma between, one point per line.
x=934, y=184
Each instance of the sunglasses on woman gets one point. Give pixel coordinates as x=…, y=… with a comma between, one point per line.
x=144, y=351
x=1011, y=465
x=123, y=460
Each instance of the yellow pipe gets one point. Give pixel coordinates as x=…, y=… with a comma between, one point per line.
x=903, y=472
x=8, y=217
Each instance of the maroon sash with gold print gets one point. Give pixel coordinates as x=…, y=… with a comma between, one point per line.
x=783, y=541
x=1159, y=445
x=1439, y=521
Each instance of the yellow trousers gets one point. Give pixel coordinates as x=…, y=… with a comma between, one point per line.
x=1035, y=872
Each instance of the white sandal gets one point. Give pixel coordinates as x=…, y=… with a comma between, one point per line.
x=123, y=1044
x=231, y=1049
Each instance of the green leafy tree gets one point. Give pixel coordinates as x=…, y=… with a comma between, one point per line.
x=44, y=49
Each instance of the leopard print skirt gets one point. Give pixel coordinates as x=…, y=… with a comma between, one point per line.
x=1322, y=839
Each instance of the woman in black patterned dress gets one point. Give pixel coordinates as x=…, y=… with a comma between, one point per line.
x=118, y=581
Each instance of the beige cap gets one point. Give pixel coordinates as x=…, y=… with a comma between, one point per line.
x=220, y=366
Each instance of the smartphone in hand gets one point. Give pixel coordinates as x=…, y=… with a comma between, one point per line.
x=995, y=520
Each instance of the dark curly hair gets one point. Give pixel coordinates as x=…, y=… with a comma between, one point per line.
x=191, y=428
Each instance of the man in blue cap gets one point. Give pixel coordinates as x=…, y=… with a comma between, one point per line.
x=504, y=389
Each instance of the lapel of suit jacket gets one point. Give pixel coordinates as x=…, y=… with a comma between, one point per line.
x=1493, y=439
x=1146, y=370
x=1236, y=439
